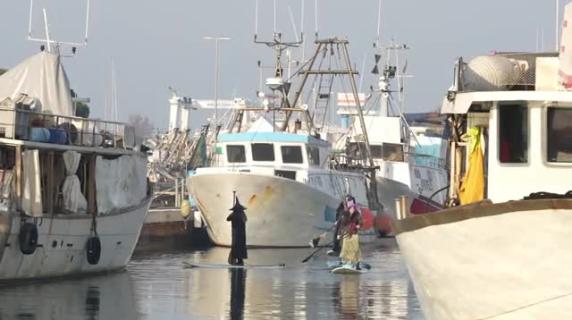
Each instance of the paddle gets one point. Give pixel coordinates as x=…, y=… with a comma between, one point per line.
x=316, y=251
x=315, y=241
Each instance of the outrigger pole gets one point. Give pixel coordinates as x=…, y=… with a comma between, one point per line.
x=347, y=70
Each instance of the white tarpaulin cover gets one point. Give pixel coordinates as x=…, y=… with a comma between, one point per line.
x=566, y=49
x=42, y=77
x=74, y=200
x=32, y=197
x=120, y=183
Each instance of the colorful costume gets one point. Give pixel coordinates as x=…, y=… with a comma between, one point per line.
x=351, y=223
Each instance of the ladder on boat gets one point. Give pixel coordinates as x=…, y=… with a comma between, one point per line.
x=322, y=100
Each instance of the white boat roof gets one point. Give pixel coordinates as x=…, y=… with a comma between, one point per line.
x=270, y=137
x=43, y=78
x=463, y=100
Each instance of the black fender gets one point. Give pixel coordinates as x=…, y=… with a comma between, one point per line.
x=93, y=250
x=28, y=238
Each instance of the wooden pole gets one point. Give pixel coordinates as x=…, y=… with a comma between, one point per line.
x=51, y=187
x=18, y=176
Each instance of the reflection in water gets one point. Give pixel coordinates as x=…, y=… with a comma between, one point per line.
x=349, y=297
x=300, y=291
x=159, y=287
x=99, y=297
x=92, y=303
x=25, y=316
x=237, y=294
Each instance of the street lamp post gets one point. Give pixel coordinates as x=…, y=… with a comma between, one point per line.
x=216, y=73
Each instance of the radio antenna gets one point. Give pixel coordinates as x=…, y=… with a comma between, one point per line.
x=48, y=39
x=274, y=30
x=293, y=23
x=316, y=18
x=378, y=42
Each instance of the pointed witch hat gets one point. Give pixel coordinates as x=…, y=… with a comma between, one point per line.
x=237, y=205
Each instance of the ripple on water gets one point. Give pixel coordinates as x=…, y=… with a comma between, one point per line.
x=300, y=291
x=157, y=286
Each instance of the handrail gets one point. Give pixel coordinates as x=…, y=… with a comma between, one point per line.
x=19, y=124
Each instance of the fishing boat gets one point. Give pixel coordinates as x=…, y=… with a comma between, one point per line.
x=74, y=192
x=283, y=173
x=410, y=160
x=502, y=252
x=406, y=166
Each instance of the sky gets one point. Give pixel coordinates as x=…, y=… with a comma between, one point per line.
x=155, y=45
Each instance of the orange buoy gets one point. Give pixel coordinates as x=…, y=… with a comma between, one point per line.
x=367, y=219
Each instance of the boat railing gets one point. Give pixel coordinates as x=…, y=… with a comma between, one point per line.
x=27, y=125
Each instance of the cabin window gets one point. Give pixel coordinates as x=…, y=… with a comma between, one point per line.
x=313, y=155
x=262, y=152
x=285, y=174
x=559, y=135
x=235, y=154
x=291, y=154
x=355, y=150
x=513, y=133
x=392, y=152
x=376, y=151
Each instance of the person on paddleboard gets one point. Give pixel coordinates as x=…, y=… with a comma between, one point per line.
x=341, y=212
x=238, y=246
x=337, y=243
x=351, y=224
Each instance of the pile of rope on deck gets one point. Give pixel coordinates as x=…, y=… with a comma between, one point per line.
x=548, y=195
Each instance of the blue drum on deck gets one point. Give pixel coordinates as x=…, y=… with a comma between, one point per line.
x=40, y=134
x=58, y=136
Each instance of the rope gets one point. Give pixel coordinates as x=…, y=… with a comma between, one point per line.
x=548, y=195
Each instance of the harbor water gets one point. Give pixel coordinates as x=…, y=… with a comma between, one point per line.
x=160, y=286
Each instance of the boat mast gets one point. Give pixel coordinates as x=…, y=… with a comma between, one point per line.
x=340, y=47
x=278, y=83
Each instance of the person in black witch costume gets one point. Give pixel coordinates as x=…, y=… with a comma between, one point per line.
x=238, y=246
x=337, y=245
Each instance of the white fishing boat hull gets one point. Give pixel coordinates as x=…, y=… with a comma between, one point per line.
x=492, y=261
x=62, y=242
x=281, y=212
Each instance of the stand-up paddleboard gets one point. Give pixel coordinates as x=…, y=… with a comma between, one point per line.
x=229, y=266
x=345, y=269
x=333, y=264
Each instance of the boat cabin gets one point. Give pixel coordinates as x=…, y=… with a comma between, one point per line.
x=278, y=153
x=524, y=129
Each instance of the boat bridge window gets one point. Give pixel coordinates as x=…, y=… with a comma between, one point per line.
x=313, y=155
x=559, y=135
x=356, y=150
x=285, y=174
x=235, y=154
x=262, y=152
x=513, y=133
x=376, y=151
x=392, y=152
x=291, y=154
